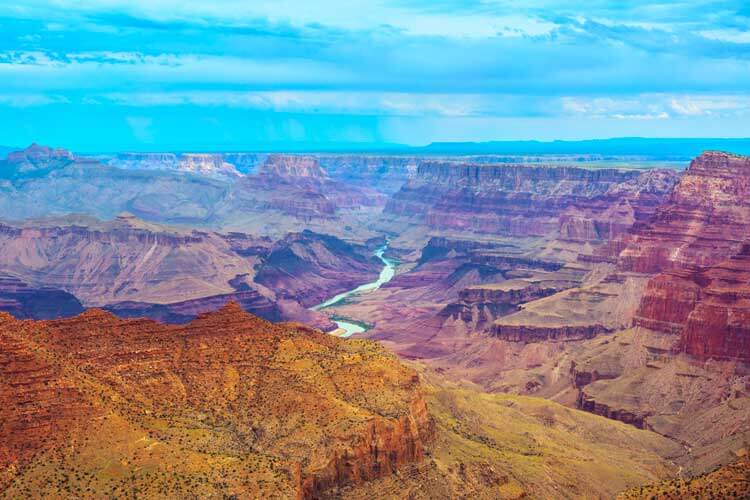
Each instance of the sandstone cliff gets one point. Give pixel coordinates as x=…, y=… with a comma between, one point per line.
x=696, y=241
x=702, y=222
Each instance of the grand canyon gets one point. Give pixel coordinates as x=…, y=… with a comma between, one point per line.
x=322, y=325
x=391, y=249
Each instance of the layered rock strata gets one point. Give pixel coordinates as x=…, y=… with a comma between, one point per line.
x=703, y=221
x=520, y=200
x=697, y=242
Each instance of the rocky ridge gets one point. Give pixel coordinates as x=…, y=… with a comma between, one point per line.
x=227, y=378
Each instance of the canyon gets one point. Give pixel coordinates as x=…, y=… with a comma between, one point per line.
x=545, y=315
x=137, y=268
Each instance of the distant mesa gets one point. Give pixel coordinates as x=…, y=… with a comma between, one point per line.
x=293, y=166
x=38, y=158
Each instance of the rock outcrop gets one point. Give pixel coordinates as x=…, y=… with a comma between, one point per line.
x=541, y=333
x=590, y=405
x=479, y=306
x=697, y=242
x=261, y=402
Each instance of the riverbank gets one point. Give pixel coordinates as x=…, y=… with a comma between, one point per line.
x=347, y=326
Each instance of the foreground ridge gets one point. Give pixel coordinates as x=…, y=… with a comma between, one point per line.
x=228, y=404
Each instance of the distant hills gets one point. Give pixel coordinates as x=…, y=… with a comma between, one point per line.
x=650, y=148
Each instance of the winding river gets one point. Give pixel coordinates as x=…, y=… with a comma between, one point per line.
x=348, y=325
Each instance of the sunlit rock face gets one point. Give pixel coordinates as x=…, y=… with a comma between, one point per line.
x=261, y=402
x=704, y=221
x=696, y=240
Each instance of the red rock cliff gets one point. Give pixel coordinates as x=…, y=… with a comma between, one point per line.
x=704, y=221
x=696, y=240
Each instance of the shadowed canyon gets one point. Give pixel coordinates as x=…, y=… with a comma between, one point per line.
x=273, y=325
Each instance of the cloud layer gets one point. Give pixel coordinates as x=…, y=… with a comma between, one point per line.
x=383, y=71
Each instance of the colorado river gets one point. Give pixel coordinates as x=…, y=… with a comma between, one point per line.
x=349, y=326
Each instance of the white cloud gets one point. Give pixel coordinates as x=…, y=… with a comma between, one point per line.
x=658, y=106
x=702, y=105
x=31, y=100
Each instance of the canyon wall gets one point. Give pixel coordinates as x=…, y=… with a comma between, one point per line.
x=697, y=241
x=121, y=260
x=138, y=269
x=704, y=220
x=520, y=200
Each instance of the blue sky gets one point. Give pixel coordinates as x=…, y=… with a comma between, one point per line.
x=171, y=74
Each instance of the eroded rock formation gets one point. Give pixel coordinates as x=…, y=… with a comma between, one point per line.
x=703, y=222
x=696, y=241
x=262, y=402
x=310, y=268
x=521, y=200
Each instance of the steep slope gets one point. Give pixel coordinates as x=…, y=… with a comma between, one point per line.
x=310, y=268
x=120, y=260
x=703, y=222
x=697, y=242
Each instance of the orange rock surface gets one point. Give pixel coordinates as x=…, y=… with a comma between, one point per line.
x=229, y=403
